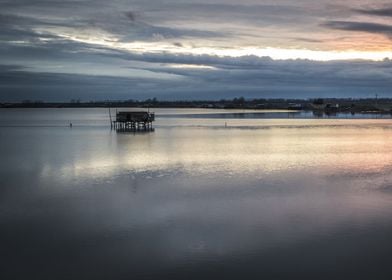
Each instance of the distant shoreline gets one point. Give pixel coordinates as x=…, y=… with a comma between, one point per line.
x=331, y=105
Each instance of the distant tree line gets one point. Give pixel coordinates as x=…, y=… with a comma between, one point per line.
x=344, y=104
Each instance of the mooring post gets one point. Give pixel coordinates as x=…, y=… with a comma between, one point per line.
x=110, y=117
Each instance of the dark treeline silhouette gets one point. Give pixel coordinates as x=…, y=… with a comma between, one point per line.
x=339, y=104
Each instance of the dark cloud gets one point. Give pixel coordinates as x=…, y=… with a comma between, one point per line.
x=9, y=68
x=130, y=15
x=360, y=26
x=17, y=84
x=384, y=12
x=146, y=31
x=15, y=27
x=250, y=13
x=177, y=44
x=308, y=40
x=18, y=23
x=248, y=76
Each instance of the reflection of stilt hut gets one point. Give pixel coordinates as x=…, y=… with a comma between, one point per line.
x=133, y=121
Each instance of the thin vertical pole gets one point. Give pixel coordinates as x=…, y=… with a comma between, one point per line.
x=110, y=117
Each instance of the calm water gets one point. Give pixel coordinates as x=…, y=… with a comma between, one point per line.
x=259, y=199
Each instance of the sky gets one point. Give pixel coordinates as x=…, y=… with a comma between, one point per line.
x=58, y=50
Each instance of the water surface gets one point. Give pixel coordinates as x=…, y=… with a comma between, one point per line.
x=201, y=197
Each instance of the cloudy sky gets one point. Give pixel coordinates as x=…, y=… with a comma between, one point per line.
x=57, y=50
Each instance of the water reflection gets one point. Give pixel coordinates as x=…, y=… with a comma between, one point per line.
x=229, y=152
x=294, y=199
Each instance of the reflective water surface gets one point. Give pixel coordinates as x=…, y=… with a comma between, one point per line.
x=199, y=198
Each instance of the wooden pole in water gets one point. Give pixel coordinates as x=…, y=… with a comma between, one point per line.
x=110, y=117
